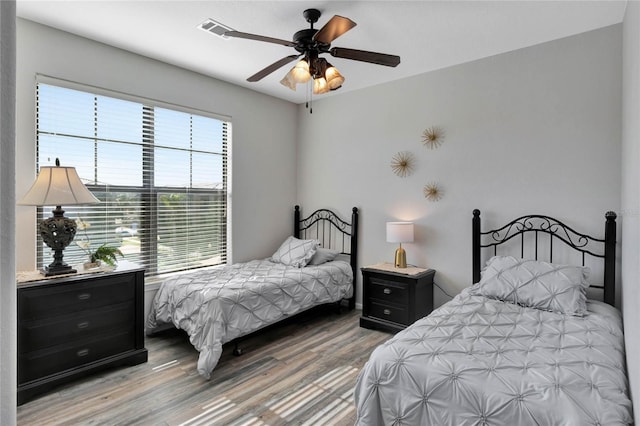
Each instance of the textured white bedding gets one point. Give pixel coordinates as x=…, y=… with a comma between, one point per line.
x=477, y=361
x=216, y=306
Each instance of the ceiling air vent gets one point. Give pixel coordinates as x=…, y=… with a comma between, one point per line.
x=215, y=28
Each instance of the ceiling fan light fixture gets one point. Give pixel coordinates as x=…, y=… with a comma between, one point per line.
x=300, y=72
x=288, y=81
x=310, y=43
x=320, y=86
x=333, y=77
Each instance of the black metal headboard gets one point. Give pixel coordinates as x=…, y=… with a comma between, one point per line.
x=536, y=224
x=332, y=232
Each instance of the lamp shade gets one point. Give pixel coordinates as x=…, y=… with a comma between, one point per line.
x=320, y=86
x=334, y=78
x=288, y=81
x=57, y=186
x=399, y=232
x=300, y=72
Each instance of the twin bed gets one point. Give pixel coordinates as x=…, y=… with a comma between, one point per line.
x=314, y=266
x=523, y=346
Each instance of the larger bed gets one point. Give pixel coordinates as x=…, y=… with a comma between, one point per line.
x=523, y=346
x=314, y=266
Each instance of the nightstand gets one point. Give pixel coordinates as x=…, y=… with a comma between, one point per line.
x=393, y=298
x=75, y=325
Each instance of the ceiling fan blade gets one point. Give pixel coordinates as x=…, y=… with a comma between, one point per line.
x=364, y=56
x=271, y=68
x=238, y=34
x=333, y=29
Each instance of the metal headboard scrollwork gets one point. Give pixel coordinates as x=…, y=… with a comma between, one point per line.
x=333, y=232
x=540, y=224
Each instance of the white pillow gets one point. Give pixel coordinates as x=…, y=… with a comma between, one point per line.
x=323, y=255
x=295, y=252
x=536, y=284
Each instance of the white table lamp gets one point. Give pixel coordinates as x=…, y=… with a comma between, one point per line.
x=400, y=232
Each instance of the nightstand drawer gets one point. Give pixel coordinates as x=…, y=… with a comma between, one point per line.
x=389, y=313
x=36, y=335
x=38, y=364
x=388, y=291
x=63, y=299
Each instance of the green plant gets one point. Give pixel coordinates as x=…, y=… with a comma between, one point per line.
x=106, y=254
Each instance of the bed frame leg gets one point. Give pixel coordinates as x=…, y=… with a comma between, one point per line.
x=237, y=351
x=345, y=305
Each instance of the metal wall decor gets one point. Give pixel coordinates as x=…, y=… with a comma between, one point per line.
x=433, y=137
x=433, y=192
x=402, y=163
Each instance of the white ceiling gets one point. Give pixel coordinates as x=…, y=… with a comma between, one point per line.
x=427, y=35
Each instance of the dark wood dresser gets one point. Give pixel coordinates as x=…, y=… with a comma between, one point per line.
x=392, y=300
x=73, y=326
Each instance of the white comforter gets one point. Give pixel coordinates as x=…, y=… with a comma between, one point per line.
x=217, y=305
x=477, y=361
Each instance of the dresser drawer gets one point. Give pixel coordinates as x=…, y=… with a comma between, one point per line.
x=389, y=313
x=40, y=334
x=62, y=299
x=388, y=291
x=38, y=364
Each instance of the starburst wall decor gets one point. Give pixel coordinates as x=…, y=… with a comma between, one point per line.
x=433, y=192
x=402, y=163
x=433, y=137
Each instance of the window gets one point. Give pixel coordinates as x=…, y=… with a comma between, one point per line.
x=160, y=173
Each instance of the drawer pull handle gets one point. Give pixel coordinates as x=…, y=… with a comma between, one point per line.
x=83, y=352
x=84, y=296
x=387, y=311
x=83, y=324
x=387, y=291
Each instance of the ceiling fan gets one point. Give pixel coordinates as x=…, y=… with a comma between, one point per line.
x=311, y=43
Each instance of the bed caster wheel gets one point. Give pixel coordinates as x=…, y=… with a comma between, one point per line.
x=238, y=352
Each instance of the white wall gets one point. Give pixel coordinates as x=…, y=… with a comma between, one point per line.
x=8, y=351
x=631, y=195
x=263, y=154
x=536, y=130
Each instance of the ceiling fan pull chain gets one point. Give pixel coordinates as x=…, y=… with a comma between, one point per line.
x=309, y=96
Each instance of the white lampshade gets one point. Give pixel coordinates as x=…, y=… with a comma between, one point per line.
x=58, y=186
x=399, y=232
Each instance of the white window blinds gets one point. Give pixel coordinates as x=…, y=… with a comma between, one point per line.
x=160, y=173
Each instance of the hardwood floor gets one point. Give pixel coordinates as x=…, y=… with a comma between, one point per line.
x=293, y=374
